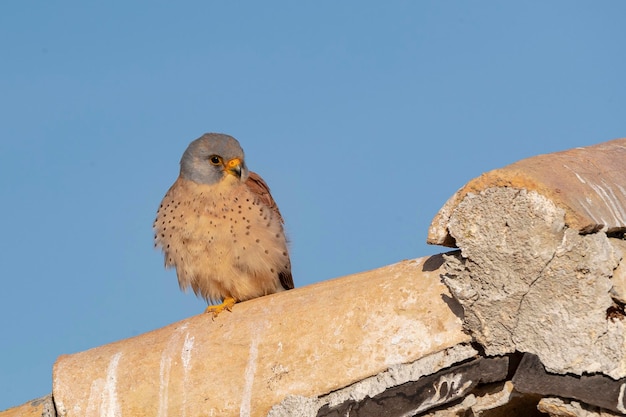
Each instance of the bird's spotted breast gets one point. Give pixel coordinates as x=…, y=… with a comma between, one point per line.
x=222, y=239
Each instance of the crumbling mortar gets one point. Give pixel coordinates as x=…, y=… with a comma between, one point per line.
x=426, y=366
x=530, y=286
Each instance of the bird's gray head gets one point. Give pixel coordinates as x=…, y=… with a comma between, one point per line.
x=213, y=157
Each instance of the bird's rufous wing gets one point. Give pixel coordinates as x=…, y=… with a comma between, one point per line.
x=259, y=187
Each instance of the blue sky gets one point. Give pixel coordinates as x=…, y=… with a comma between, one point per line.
x=363, y=117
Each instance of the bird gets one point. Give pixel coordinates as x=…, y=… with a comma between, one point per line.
x=219, y=226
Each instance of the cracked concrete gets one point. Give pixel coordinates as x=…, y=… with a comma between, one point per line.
x=529, y=283
x=540, y=267
x=511, y=239
x=618, y=290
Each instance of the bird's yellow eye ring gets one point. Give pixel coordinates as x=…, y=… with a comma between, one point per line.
x=215, y=159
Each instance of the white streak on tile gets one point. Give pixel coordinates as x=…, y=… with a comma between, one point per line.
x=246, y=397
x=165, y=368
x=109, y=406
x=185, y=356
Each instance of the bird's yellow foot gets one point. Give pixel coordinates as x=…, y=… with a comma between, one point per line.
x=227, y=304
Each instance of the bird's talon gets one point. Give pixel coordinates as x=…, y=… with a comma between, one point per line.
x=227, y=304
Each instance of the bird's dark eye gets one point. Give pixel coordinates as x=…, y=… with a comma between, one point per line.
x=215, y=159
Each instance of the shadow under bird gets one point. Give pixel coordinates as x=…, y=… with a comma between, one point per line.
x=219, y=226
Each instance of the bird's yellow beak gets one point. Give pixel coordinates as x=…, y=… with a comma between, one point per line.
x=233, y=167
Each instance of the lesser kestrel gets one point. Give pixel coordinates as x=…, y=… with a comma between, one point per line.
x=219, y=226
